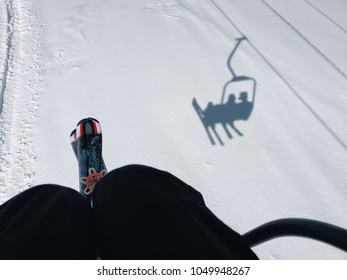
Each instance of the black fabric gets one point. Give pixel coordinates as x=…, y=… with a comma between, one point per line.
x=47, y=222
x=138, y=213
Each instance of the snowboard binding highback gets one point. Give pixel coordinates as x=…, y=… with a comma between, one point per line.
x=86, y=142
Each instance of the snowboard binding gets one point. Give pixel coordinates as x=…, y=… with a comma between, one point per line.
x=86, y=142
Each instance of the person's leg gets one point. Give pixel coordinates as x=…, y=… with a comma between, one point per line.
x=145, y=213
x=47, y=222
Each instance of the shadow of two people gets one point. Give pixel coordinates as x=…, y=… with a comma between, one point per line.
x=225, y=114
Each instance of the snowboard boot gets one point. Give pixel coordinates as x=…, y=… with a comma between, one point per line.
x=86, y=142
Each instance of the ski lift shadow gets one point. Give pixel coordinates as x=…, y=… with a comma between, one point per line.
x=239, y=105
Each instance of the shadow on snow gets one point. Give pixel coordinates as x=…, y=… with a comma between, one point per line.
x=239, y=105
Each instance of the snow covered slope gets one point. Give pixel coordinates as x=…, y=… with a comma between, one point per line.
x=137, y=65
x=21, y=87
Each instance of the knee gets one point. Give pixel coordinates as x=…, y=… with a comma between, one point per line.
x=125, y=182
x=131, y=170
x=56, y=192
x=123, y=178
x=48, y=191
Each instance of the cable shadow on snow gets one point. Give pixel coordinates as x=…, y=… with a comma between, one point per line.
x=239, y=105
x=286, y=82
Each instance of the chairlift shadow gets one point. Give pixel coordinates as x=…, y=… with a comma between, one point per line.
x=239, y=106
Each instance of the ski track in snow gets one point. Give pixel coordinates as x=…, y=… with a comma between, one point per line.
x=7, y=30
x=21, y=87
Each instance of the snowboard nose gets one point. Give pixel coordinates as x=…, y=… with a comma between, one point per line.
x=86, y=127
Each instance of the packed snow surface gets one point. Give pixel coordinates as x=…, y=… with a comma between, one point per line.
x=158, y=73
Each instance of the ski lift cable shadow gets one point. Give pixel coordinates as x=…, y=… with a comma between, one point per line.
x=283, y=79
x=301, y=35
x=227, y=113
x=326, y=16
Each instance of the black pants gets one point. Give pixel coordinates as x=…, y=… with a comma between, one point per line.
x=139, y=213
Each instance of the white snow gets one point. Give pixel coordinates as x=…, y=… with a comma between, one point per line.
x=136, y=66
